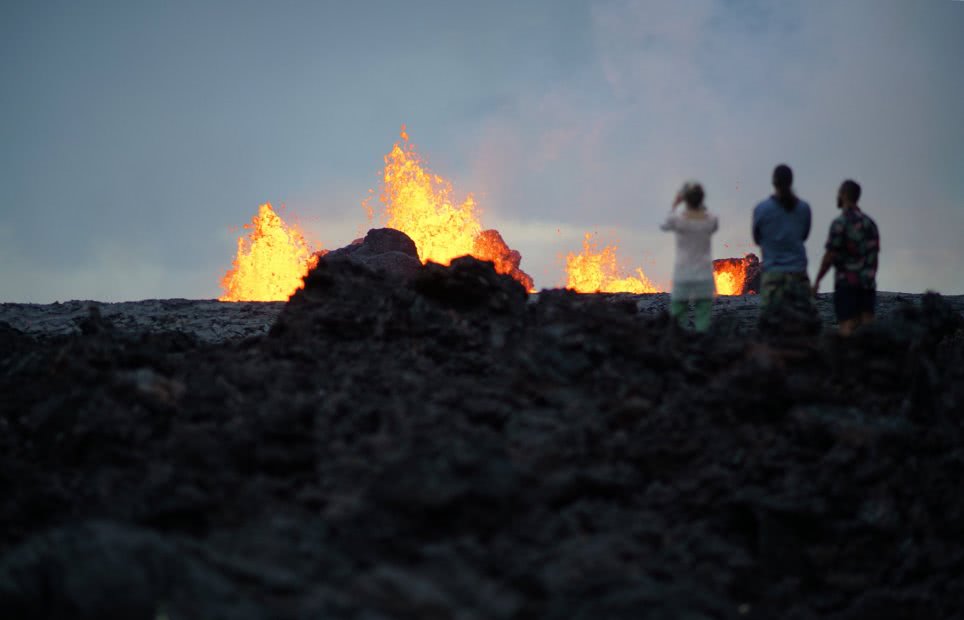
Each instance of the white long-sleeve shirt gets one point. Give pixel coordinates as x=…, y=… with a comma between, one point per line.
x=694, y=250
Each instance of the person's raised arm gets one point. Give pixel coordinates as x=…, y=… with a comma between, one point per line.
x=670, y=222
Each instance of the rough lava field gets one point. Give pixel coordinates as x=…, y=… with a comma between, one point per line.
x=448, y=446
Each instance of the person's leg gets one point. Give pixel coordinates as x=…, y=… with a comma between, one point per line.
x=867, y=306
x=702, y=313
x=845, y=307
x=788, y=306
x=770, y=287
x=677, y=308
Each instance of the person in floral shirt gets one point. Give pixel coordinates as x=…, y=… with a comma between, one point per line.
x=852, y=249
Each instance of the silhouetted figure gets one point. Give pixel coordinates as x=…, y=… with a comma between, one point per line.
x=693, y=271
x=781, y=225
x=852, y=248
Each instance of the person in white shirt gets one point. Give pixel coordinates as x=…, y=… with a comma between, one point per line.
x=694, y=225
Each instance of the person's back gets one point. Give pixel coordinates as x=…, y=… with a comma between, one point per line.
x=781, y=225
x=781, y=232
x=694, y=249
x=852, y=248
x=693, y=269
x=855, y=241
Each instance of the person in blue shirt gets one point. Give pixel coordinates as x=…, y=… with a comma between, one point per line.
x=781, y=225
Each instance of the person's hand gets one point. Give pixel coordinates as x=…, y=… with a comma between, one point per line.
x=815, y=288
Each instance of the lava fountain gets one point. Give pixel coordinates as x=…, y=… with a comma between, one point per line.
x=271, y=262
x=735, y=276
x=598, y=271
x=420, y=204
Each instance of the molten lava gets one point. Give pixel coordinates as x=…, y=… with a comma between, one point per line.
x=489, y=245
x=732, y=275
x=271, y=262
x=729, y=279
x=597, y=271
x=273, y=259
x=420, y=204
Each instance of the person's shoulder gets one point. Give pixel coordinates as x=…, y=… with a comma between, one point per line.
x=803, y=205
x=869, y=222
x=839, y=222
x=764, y=205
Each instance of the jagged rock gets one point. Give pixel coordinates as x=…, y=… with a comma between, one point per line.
x=449, y=446
x=469, y=283
x=383, y=249
x=102, y=570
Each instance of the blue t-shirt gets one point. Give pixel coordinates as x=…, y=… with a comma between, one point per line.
x=780, y=235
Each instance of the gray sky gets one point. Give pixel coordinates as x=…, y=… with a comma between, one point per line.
x=137, y=137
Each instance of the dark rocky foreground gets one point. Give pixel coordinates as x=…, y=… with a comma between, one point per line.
x=449, y=448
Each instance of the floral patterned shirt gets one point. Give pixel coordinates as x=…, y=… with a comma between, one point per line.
x=855, y=243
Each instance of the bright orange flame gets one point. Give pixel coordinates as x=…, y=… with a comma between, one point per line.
x=595, y=271
x=490, y=246
x=271, y=263
x=730, y=276
x=420, y=204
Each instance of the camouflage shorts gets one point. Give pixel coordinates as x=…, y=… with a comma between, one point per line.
x=786, y=303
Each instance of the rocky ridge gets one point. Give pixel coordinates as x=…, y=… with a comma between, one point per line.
x=447, y=446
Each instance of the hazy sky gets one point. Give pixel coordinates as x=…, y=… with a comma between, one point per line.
x=137, y=137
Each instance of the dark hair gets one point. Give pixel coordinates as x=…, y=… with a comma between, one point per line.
x=694, y=197
x=851, y=190
x=783, y=183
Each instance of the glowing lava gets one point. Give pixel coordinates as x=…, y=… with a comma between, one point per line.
x=489, y=245
x=730, y=274
x=420, y=204
x=271, y=262
x=597, y=271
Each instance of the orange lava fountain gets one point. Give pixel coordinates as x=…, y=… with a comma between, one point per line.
x=597, y=271
x=420, y=204
x=271, y=262
x=729, y=275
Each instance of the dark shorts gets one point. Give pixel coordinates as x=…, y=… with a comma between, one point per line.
x=850, y=302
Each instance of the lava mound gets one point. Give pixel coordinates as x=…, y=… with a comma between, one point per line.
x=382, y=249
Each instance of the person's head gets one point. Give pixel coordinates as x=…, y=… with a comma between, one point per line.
x=783, y=186
x=692, y=194
x=849, y=194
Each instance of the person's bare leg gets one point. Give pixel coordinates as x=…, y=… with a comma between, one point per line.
x=847, y=327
